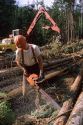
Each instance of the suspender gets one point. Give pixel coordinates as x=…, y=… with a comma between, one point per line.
x=22, y=54
x=34, y=56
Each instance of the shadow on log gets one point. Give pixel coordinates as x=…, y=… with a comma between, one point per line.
x=76, y=116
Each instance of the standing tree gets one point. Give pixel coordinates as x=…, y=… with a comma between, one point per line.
x=70, y=18
x=6, y=16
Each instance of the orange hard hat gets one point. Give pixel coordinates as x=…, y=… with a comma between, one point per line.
x=32, y=79
x=20, y=41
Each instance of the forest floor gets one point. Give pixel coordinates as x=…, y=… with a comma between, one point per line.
x=30, y=110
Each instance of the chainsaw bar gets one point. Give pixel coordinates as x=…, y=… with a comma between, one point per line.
x=48, y=98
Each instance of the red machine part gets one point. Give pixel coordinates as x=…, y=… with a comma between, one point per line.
x=42, y=10
x=32, y=79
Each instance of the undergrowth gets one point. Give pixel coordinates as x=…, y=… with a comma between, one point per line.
x=7, y=116
x=56, y=48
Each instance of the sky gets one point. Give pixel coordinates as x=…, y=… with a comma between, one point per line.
x=25, y=2
x=29, y=2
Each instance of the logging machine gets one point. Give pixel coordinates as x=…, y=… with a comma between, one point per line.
x=8, y=45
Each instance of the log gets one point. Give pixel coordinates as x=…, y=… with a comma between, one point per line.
x=76, y=116
x=9, y=73
x=54, y=74
x=67, y=105
x=7, y=62
x=47, y=77
x=58, y=61
x=48, y=98
x=8, y=84
x=13, y=77
x=61, y=64
x=14, y=93
x=16, y=71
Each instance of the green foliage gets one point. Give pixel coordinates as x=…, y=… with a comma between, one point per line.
x=7, y=116
x=2, y=94
x=12, y=16
x=73, y=47
x=23, y=18
x=44, y=112
x=42, y=35
x=51, y=50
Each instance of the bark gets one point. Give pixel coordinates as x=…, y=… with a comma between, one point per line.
x=76, y=116
x=14, y=93
x=67, y=105
x=9, y=84
x=17, y=91
x=71, y=23
x=10, y=77
x=68, y=27
x=49, y=99
x=6, y=63
x=9, y=73
x=16, y=71
x=54, y=74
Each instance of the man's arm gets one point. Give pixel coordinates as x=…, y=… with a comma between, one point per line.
x=40, y=62
x=19, y=59
x=22, y=67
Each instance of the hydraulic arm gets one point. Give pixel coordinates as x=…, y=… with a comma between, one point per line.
x=41, y=11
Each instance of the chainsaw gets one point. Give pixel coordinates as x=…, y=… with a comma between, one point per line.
x=32, y=80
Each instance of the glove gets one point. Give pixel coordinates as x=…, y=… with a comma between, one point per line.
x=41, y=77
x=41, y=74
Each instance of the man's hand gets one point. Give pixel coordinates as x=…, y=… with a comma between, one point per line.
x=41, y=77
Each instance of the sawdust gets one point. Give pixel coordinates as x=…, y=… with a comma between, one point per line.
x=26, y=110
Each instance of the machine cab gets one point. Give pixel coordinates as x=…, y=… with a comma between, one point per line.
x=16, y=32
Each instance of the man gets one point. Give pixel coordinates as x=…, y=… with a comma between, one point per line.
x=29, y=59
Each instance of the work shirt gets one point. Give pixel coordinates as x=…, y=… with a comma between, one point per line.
x=28, y=55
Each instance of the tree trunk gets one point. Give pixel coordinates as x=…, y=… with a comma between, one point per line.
x=76, y=116
x=67, y=105
x=68, y=27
